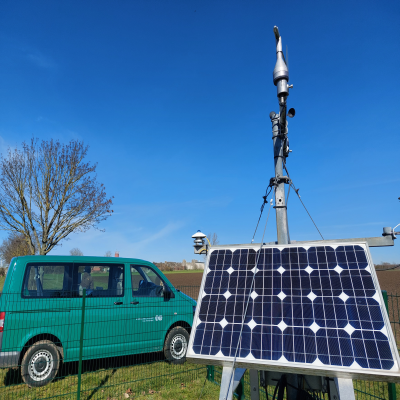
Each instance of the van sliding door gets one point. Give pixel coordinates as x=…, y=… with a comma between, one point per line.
x=106, y=309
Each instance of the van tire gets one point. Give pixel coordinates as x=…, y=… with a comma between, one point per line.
x=176, y=345
x=40, y=363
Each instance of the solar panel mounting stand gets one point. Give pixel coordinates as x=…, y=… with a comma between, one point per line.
x=230, y=379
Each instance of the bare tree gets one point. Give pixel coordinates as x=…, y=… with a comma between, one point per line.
x=75, y=252
x=108, y=254
x=213, y=238
x=14, y=246
x=47, y=192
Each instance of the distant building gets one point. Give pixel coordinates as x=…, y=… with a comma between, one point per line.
x=194, y=264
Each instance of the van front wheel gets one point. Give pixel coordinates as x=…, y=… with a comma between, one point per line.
x=176, y=344
x=40, y=363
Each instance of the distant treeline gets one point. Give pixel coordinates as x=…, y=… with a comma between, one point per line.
x=170, y=266
x=386, y=266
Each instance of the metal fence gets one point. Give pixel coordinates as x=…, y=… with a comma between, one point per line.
x=110, y=351
x=100, y=346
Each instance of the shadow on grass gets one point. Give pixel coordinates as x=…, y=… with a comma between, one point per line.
x=101, y=384
x=13, y=377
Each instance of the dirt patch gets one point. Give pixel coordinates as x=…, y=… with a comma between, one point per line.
x=185, y=279
x=389, y=281
x=188, y=283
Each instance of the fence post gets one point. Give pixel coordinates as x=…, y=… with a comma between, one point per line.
x=78, y=395
x=210, y=373
x=391, y=386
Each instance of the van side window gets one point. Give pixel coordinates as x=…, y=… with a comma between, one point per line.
x=99, y=280
x=47, y=280
x=145, y=282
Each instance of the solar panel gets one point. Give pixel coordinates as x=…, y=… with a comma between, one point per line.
x=309, y=308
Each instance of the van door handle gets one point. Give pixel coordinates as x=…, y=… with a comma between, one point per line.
x=118, y=303
x=134, y=302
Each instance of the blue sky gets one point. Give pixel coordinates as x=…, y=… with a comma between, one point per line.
x=173, y=99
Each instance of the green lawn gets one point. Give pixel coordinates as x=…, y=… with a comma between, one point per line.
x=189, y=271
x=154, y=381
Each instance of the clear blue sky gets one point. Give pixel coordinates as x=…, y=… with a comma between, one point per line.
x=173, y=99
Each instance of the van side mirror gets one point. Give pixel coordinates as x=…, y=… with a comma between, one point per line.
x=168, y=293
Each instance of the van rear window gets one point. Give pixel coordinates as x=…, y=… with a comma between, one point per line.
x=45, y=281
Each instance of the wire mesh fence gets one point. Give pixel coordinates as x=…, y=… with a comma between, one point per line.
x=105, y=344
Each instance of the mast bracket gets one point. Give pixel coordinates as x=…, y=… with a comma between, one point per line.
x=275, y=181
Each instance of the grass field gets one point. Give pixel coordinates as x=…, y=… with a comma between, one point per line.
x=189, y=271
x=154, y=381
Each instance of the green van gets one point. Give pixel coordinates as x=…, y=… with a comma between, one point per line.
x=130, y=308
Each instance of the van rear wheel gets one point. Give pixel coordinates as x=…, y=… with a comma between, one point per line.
x=40, y=363
x=176, y=344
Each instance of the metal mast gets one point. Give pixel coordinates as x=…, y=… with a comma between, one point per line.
x=342, y=388
x=281, y=151
x=279, y=137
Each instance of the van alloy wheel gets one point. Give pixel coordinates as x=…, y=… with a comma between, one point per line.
x=176, y=345
x=40, y=363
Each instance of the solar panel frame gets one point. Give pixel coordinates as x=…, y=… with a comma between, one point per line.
x=392, y=375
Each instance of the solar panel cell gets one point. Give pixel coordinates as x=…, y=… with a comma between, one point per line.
x=216, y=340
x=198, y=340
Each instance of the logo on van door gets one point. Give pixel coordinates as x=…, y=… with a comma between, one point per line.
x=150, y=319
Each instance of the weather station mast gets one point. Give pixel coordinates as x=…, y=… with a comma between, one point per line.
x=285, y=311
x=280, y=140
x=281, y=152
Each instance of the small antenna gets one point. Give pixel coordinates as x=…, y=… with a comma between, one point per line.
x=276, y=32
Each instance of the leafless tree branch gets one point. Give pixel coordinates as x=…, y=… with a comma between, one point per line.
x=48, y=191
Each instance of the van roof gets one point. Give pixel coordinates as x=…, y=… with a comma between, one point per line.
x=115, y=260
